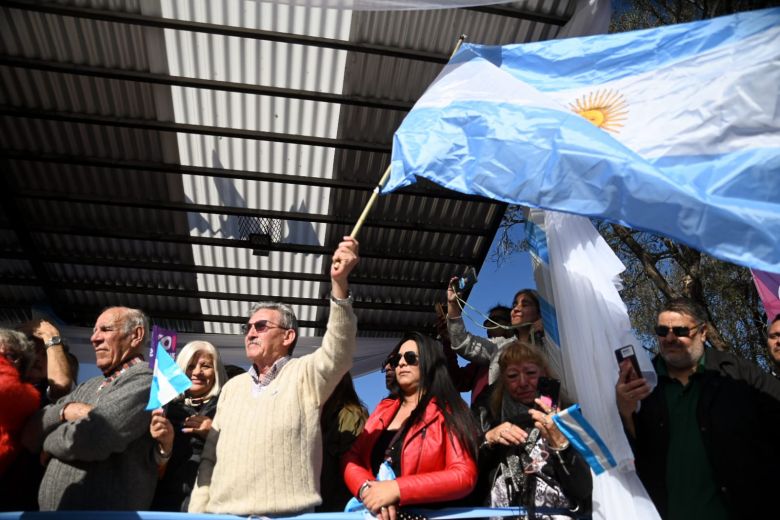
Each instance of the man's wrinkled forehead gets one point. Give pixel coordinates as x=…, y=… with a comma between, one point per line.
x=110, y=318
x=674, y=316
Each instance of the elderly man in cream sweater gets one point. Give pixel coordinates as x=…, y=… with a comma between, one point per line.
x=263, y=454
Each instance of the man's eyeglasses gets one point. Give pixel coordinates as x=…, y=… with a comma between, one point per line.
x=410, y=357
x=260, y=326
x=680, y=332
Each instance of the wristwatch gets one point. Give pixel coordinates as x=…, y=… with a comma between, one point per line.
x=342, y=301
x=55, y=340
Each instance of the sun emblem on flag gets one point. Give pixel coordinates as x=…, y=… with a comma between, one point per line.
x=607, y=109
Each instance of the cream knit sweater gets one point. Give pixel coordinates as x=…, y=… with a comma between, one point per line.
x=263, y=454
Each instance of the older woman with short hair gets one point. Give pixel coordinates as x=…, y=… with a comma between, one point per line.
x=181, y=429
x=524, y=460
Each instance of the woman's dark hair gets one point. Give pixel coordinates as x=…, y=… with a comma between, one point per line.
x=435, y=383
x=531, y=294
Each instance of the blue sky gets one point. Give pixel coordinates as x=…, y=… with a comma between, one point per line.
x=497, y=284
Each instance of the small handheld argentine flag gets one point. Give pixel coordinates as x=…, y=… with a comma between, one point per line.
x=585, y=439
x=168, y=381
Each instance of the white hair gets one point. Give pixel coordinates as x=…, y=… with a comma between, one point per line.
x=195, y=347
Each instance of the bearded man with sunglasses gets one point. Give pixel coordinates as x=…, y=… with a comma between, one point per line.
x=705, y=438
x=263, y=455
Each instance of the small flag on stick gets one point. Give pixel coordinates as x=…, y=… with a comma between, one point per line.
x=585, y=439
x=168, y=381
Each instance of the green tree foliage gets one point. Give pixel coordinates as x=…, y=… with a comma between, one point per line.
x=643, y=14
x=658, y=268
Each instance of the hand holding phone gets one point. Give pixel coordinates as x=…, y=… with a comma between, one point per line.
x=466, y=281
x=548, y=390
x=627, y=353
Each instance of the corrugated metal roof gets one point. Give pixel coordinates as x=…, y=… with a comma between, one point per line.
x=137, y=189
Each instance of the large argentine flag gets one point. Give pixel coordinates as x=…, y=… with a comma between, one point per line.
x=168, y=381
x=674, y=130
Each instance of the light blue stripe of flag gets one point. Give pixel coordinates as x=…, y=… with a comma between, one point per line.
x=549, y=320
x=695, y=155
x=558, y=65
x=584, y=438
x=537, y=241
x=168, y=380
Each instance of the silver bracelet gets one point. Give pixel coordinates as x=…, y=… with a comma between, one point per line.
x=162, y=454
x=342, y=301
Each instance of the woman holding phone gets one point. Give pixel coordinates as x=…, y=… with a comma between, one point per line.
x=524, y=460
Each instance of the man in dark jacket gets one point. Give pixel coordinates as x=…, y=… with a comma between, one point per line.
x=705, y=438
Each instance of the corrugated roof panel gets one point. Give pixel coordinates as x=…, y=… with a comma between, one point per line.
x=254, y=112
x=246, y=60
x=120, y=276
x=21, y=294
x=264, y=63
x=109, y=248
x=16, y=268
x=253, y=155
x=108, y=183
x=68, y=39
x=80, y=140
x=268, y=196
x=269, y=16
x=62, y=213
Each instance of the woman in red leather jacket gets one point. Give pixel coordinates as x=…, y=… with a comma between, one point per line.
x=427, y=435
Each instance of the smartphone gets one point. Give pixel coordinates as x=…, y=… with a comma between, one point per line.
x=466, y=281
x=549, y=389
x=627, y=352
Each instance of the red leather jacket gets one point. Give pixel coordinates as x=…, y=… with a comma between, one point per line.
x=434, y=465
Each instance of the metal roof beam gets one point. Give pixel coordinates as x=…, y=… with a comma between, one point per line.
x=180, y=81
x=168, y=126
x=153, y=236
x=355, y=279
x=85, y=315
x=522, y=14
x=97, y=286
x=225, y=173
x=223, y=30
x=188, y=207
x=18, y=223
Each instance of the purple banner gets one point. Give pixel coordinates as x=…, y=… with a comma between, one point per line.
x=164, y=338
x=768, y=285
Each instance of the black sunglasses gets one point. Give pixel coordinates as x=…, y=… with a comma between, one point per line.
x=260, y=326
x=385, y=364
x=410, y=357
x=680, y=332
